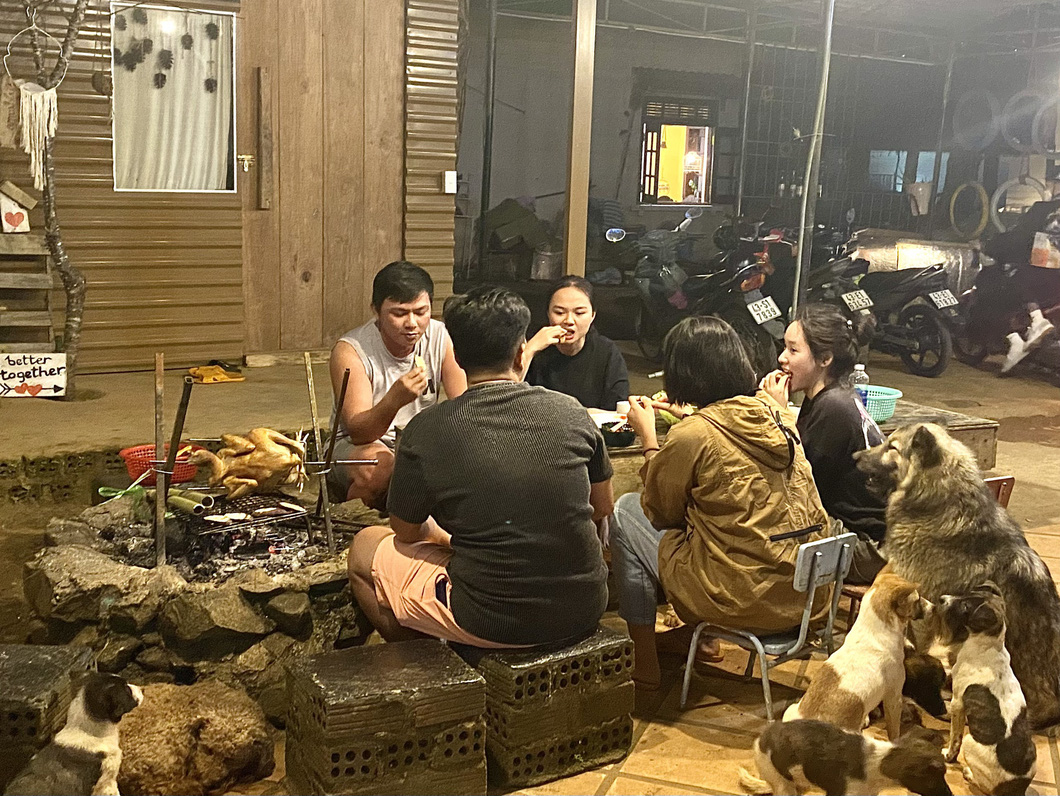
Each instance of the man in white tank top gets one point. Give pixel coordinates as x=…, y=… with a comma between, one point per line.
x=398, y=363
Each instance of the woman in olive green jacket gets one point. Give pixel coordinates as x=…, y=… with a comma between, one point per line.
x=731, y=475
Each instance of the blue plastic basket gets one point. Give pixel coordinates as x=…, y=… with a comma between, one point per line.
x=880, y=402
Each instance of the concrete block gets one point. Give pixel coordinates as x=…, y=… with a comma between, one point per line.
x=36, y=686
x=394, y=718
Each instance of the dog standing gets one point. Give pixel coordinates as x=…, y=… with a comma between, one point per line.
x=999, y=754
x=870, y=666
x=84, y=756
x=796, y=755
x=946, y=533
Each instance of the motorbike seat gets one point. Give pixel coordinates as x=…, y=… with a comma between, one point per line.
x=892, y=280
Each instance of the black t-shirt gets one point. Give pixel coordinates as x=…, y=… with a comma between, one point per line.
x=506, y=468
x=834, y=426
x=596, y=375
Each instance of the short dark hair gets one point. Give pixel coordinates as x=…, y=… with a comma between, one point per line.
x=704, y=361
x=401, y=282
x=828, y=331
x=487, y=326
x=579, y=282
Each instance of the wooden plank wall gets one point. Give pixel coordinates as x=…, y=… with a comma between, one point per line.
x=431, y=131
x=163, y=269
x=337, y=81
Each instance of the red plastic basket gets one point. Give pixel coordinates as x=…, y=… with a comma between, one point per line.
x=139, y=459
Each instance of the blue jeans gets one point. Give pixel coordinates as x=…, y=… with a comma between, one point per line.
x=635, y=558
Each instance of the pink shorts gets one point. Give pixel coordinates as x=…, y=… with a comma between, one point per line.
x=408, y=578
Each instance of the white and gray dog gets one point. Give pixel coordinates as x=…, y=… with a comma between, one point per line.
x=84, y=756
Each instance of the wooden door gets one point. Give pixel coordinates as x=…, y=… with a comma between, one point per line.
x=321, y=109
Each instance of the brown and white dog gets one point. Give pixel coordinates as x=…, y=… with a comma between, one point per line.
x=869, y=668
x=84, y=756
x=999, y=754
x=795, y=756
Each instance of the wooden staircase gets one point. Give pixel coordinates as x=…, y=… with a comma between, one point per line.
x=26, y=283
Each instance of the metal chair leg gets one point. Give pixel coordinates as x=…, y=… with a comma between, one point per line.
x=690, y=662
x=749, y=671
x=764, y=667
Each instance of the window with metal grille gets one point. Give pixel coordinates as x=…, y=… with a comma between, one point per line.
x=680, y=149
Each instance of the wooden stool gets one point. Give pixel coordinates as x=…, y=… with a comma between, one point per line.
x=405, y=717
x=36, y=686
x=554, y=714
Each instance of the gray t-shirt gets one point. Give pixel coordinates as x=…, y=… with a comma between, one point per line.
x=384, y=369
x=506, y=468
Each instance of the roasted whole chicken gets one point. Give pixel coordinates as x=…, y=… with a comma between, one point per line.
x=260, y=462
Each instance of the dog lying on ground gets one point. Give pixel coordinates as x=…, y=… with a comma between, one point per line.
x=946, y=533
x=870, y=666
x=794, y=756
x=925, y=677
x=999, y=754
x=84, y=756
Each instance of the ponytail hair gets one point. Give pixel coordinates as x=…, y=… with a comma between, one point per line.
x=828, y=331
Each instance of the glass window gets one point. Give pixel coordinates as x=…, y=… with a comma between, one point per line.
x=677, y=153
x=174, y=121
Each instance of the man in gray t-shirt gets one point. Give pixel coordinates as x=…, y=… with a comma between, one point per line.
x=492, y=505
x=398, y=363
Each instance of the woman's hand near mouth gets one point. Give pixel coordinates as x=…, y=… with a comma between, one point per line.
x=777, y=384
x=548, y=335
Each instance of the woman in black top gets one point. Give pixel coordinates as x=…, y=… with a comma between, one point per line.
x=572, y=357
x=820, y=349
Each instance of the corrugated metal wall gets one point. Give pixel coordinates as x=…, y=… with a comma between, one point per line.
x=431, y=133
x=163, y=269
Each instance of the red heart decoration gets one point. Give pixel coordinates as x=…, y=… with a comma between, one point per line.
x=33, y=389
x=14, y=219
x=21, y=389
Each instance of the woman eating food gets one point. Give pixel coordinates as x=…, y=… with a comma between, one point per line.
x=571, y=357
x=730, y=479
x=820, y=349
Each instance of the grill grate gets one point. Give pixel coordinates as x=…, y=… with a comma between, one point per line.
x=199, y=526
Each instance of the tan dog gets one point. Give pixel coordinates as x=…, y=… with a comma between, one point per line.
x=869, y=668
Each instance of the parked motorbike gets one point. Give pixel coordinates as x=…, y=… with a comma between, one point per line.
x=729, y=287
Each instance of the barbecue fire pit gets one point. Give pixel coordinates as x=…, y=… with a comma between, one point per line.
x=237, y=599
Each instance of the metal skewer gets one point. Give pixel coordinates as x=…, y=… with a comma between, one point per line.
x=322, y=477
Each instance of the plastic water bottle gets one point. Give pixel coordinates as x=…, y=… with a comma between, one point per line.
x=859, y=380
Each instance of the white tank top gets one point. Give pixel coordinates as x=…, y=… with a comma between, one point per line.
x=384, y=369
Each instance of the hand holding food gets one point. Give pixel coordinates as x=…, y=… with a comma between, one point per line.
x=546, y=336
x=411, y=386
x=778, y=385
x=642, y=420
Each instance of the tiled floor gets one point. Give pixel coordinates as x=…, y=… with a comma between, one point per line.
x=699, y=750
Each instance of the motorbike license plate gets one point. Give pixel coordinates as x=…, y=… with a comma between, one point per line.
x=943, y=299
x=764, y=309
x=857, y=300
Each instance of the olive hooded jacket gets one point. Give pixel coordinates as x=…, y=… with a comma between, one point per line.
x=728, y=478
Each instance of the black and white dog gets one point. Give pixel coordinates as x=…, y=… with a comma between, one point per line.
x=84, y=756
x=795, y=756
x=999, y=754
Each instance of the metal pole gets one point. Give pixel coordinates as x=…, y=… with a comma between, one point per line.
x=752, y=34
x=936, y=171
x=487, y=134
x=813, y=165
x=160, y=443
x=581, y=130
x=322, y=479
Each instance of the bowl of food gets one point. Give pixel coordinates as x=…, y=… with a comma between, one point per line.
x=621, y=436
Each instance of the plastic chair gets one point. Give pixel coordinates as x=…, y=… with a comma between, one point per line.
x=821, y=563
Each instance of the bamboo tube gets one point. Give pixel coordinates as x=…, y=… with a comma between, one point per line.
x=185, y=505
x=207, y=501
x=160, y=504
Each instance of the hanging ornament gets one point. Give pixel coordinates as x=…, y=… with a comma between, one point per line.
x=135, y=53
x=212, y=31
x=186, y=41
x=210, y=84
x=165, y=59
x=120, y=23
x=130, y=60
x=148, y=45
x=117, y=55
x=160, y=79
x=140, y=16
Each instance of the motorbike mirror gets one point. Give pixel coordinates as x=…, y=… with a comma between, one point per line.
x=615, y=235
x=693, y=212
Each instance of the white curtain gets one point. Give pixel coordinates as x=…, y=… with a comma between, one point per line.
x=179, y=136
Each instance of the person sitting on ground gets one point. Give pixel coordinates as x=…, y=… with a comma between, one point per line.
x=820, y=349
x=398, y=362
x=730, y=479
x=571, y=357
x=493, y=503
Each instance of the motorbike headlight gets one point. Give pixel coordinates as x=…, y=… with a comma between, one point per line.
x=753, y=282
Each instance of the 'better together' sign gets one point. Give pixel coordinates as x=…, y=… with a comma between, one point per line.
x=32, y=375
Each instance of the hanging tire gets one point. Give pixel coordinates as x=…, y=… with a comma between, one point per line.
x=934, y=343
x=650, y=333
